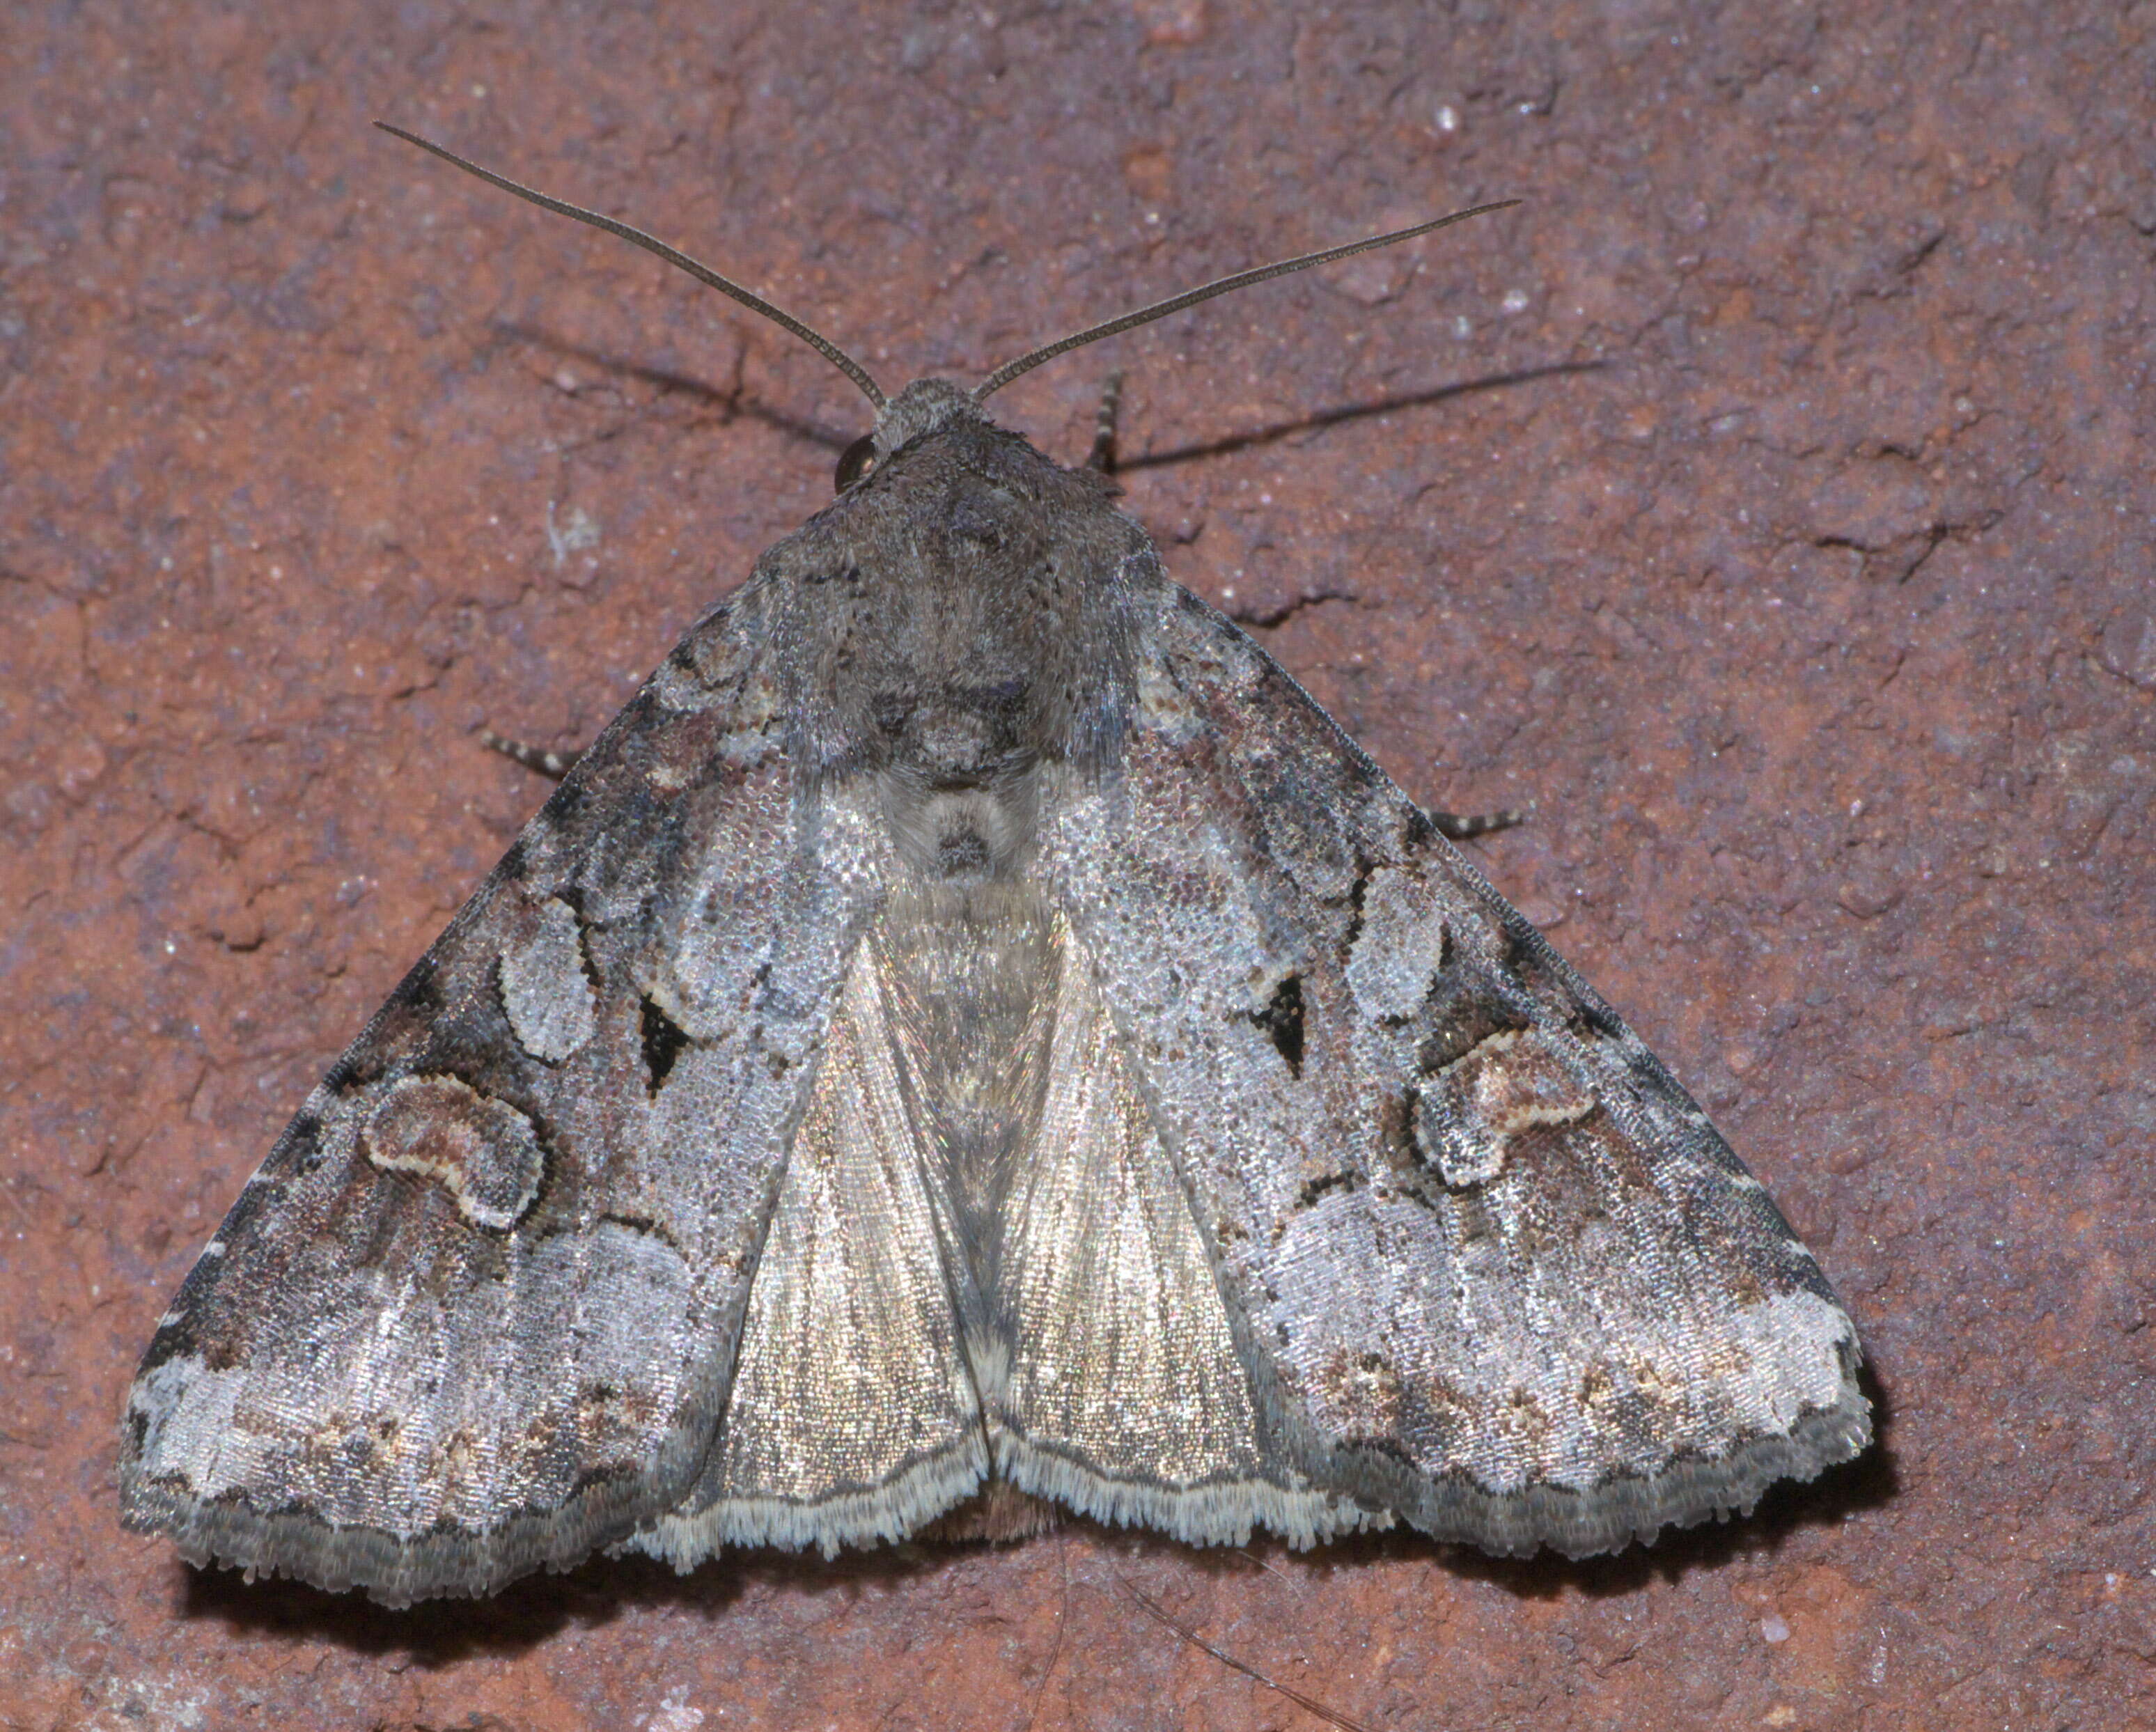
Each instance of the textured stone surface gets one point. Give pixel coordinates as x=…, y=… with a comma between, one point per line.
x=1769, y=503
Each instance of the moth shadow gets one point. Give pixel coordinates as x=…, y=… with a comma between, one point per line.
x=434, y=1632
x=532, y=1610
x=1318, y=419
x=733, y=401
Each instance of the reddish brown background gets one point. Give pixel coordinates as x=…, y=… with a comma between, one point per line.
x=1769, y=502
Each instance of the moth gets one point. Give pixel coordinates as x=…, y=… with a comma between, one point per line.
x=974, y=1031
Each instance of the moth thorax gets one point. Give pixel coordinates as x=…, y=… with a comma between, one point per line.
x=954, y=743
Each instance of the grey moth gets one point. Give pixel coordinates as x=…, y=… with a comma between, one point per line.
x=973, y=1034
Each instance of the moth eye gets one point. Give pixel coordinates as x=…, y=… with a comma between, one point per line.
x=858, y=459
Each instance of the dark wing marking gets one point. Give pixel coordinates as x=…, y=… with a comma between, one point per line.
x=476, y=1312
x=1489, y=1267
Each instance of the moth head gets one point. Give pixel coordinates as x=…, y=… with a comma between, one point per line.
x=923, y=406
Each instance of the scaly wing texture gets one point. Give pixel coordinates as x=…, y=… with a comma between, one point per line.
x=477, y=1311
x=1122, y=1393
x=853, y=1416
x=1488, y=1266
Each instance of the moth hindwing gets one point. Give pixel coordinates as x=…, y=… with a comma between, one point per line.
x=973, y=1026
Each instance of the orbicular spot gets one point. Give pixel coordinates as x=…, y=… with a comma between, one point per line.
x=1400, y=942
x=1468, y=1112
x=482, y=1151
x=1281, y=1020
x=1302, y=825
x=664, y=1041
x=545, y=990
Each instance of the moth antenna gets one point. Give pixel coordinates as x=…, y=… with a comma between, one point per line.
x=1175, y=303
x=704, y=274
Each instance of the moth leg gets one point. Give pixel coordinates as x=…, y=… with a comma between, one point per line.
x=1103, y=456
x=1459, y=827
x=552, y=765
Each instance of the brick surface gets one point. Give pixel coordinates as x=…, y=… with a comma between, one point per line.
x=1768, y=503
